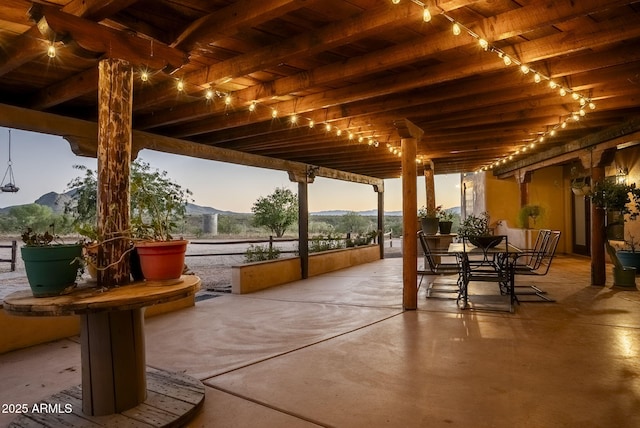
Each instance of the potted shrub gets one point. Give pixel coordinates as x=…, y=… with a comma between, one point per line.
x=624, y=201
x=628, y=255
x=476, y=230
x=51, y=266
x=445, y=221
x=158, y=206
x=429, y=219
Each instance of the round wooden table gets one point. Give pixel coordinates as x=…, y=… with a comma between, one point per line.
x=114, y=375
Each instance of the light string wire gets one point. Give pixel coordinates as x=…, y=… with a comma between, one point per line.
x=373, y=140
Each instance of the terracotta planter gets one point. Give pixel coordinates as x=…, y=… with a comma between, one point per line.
x=162, y=260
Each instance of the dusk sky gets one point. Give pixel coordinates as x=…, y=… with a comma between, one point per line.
x=44, y=163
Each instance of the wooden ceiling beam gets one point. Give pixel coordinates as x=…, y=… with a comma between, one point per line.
x=115, y=44
x=230, y=20
x=536, y=50
x=379, y=60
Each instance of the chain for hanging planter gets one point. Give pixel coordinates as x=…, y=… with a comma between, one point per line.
x=10, y=186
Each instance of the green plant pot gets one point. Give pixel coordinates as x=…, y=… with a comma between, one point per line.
x=445, y=227
x=51, y=269
x=625, y=277
x=429, y=225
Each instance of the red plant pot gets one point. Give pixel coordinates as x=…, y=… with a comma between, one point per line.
x=162, y=260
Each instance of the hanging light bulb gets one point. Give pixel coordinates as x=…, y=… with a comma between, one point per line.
x=360, y=139
x=576, y=117
x=563, y=92
x=532, y=145
x=144, y=76
x=311, y=124
x=395, y=1
x=541, y=139
x=338, y=132
x=575, y=96
x=564, y=125
x=274, y=113
x=327, y=127
x=524, y=68
x=483, y=44
x=252, y=106
x=426, y=15
x=582, y=101
x=180, y=86
x=351, y=136
x=537, y=78
x=294, y=119
x=209, y=94
x=227, y=100
x=51, y=51
x=552, y=84
x=507, y=60
x=582, y=112
x=553, y=133
x=592, y=106
x=456, y=29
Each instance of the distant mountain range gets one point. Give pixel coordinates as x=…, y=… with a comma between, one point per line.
x=57, y=201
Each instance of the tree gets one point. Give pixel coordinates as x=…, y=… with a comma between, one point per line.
x=352, y=222
x=276, y=211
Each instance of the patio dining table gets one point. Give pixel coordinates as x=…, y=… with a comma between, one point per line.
x=486, y=264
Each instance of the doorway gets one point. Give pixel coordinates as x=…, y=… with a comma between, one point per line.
x=581, y=214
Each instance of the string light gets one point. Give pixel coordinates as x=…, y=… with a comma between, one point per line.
x=456, y=29
x=426, y=15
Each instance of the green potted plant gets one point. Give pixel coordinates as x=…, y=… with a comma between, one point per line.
x=620, y=199
x=158, y=206
x=528, y=213
x=429, y=219
x=476, y=229
x=51, y=266
x=445, y=221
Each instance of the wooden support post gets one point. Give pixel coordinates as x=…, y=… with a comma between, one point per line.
x=523, y=178
x=410, y=135
x=303, y=228
x=380, y=193
x=596, y=160
x=598, y=235
x=115, y=95
x=430, y=186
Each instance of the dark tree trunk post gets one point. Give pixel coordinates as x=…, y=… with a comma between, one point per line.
x=115, y=95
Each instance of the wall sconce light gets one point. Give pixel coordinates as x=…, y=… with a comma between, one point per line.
x=621, y=175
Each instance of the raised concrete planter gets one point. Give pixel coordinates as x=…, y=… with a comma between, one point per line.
x=256, y=276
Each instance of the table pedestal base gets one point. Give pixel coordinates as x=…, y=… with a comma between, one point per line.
x=113, y=361
x=172, y=400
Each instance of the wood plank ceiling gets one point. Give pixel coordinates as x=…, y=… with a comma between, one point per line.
x=256, y=74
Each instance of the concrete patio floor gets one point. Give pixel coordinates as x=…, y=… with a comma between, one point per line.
x=338, y=351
